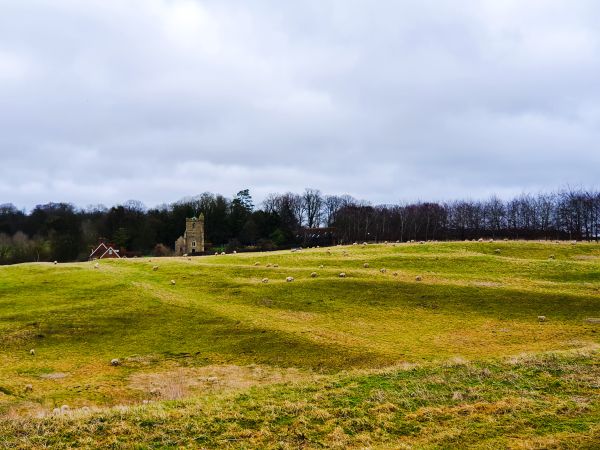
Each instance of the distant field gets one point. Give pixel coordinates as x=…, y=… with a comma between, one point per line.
x=377, y=359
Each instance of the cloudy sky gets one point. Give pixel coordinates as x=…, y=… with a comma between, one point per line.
x=102, y=101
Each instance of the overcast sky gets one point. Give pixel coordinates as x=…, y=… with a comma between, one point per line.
x=102, y=101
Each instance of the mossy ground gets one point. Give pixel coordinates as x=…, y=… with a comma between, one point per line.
x=221, y=359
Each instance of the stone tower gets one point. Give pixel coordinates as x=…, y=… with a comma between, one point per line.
x=192, y=240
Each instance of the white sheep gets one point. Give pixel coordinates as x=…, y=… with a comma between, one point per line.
x=96, y=265
x=155, y=268
x=313, y=274
x=342, y=275
x=541, y=318
x=173, y=282
x=418, y=278
x=383, y=270
x=289, y=279
x=265, y=280
x=257, y=263
x=32, y=352
x=115, y=362
x=366, y=265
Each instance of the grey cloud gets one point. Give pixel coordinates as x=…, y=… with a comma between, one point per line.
x=103, y=101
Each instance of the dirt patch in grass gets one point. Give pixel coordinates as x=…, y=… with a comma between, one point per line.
x=487, y=284
x=185, y=381
x=54, y=375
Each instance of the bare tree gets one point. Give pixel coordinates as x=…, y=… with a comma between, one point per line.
x=312, y=203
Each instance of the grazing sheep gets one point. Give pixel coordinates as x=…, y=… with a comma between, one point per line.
x=222, y=253
x=155, y=268
x=355, y=243
x=265, y=280
x=480, y=240
x=216, y=253
x=234, y=252
x=55, y=262
x=289, y=279
x=343, y=275
x=173, y=282
x=383, y=270
x=321, y=266
x=551, y=257
x=313, y=274
x=592, y=320
x=421, y=242
x=366, y=265
x=28, y=387
x=497, y=250
x=491, y=240
x=418, y=278
x=275, y=265
x=269, y=265
x=541, y=318
x=96, y=265
x=32, y=352
x=364, y=243
x=257, y=263
x=395, y=274
x=115, y=362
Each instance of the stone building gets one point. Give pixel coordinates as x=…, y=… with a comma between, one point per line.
x=192, y=240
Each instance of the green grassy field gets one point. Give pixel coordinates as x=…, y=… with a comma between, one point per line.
x=377, y=359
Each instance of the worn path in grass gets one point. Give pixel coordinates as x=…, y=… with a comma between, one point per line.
x=220, y=330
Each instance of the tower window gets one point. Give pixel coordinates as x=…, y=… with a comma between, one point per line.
x=193, y=243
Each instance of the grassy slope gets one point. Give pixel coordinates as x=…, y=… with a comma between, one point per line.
x=374, y=359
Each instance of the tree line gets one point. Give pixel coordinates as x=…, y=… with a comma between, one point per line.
x=63, y=232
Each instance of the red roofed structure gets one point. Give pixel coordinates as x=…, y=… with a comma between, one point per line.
x=104, y=250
